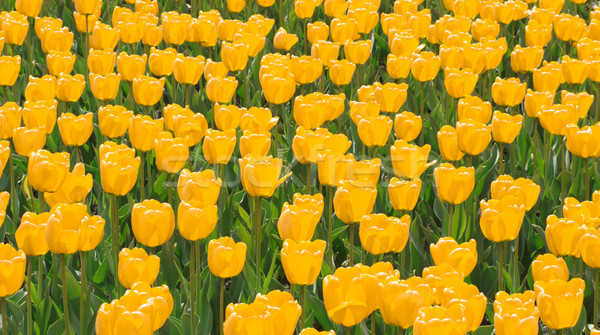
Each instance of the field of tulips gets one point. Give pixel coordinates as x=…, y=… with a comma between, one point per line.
x=278, y=167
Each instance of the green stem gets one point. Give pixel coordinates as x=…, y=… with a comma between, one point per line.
x=142, y=178
x=422, y=86
x=193, y=284
x=281, y=10
x=13, y=192
x=500, y=158
x=222, y=305
x=308, y=190
x=351, y=227
x=40, y=277
x=516, y=278
x=29, y=325
x=188, y=94
x=303, y=305
x=4, y=316
x=373, y=323
x=330, y=191
x=546, y=156
x=87, y=51
x=116, y=245
x=450, y=219
x=246, y=74
x=170, y=189
x=63, y=261
x=400, y=331
x=563, y=190
x=83, y=287
x=130, y=96
x=587, y=179
x=42, y=201
x=197, y=299
x=500, y=266
x=596, y=289
x=32, y=201
x=257, y=230
x=348, y=330
x=597, y=102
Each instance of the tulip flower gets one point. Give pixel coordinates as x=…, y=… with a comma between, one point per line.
x=257, y=144
x=508, y=92
x=306, y=69
x=405, y=44
x=113, y=121
x=582, y=101
x=469, y=297
x=10, y=119
x=501, y=219
x=473, y=136
x=28, y=141
x=228, y=116
x=351, y=203
x=346, y=294
x=408, y=296
x=40, y=89
x=307, y=144
x=143, y=131
x=202, y=187
x=74, y=188
x=313, y=331
x=131, y=66
x=284, y=40
x=57, y=40
x=448, y=143
x=40, y=114
x=462, y=257
x=548, y=267
x=317, y=31
x=218, y=146
x=104, y=37
x=398, y=67
x=537, y=34
x=152, y=34
x=573, y=70
x=15, y=29
x=380, y=234
x=302, y=261
x=152, y=222
x=459, y=83
x=584, y=142
x=473, y=108
x=526, y=59
x=525, y=190
x=190, y=214
x=105, y=87
x=70, y=88
x=189, y=126
x=515, y=313
x=409, y=161
x=325, y=51
x=257, y=119
x=341, y=72
x=332, y=167
x=436, y=319
x=174, y=27
x=188, y=70
x=505, y=127
x=260, y=175
x=136, y=266
x=555, y=118
x=364, y=173
x=375, y=131
x=390, y=96
x=118, y=172
x=560, y=302
x=101, y=62
x=31, y=234
x=147, y=91
x=309, y=111
x=587, y=211
x=536, y=101
x=12, y=272
x=47, y=171
x=4, y=154
x=425, y=66
x=221, y=90
x=404, y=194
x=563, y=235
x=407, y=126
x=70, y=229
x=226, y=258
x=75, y=130
x=234, y=56
x=454, y=185
x=254, y=42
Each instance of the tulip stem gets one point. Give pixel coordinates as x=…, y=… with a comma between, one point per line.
x=373, y=323
x=587, y=179
x=303, y=305
x=142, y=178
x=596, y=289
x=4, y=321
x=308, y=190
x=115, y=239
x=29, y=327
x=63, y=261
x=221, y=304
x=450, y=219
x=348, y=331
x=281, y=10
x=13, y=191
x=422, y=86
x=83, y=293
x=330, y=225
x=246, y=74
x=87, y=50
x=257, y=231
x=193, y=285
x=597, y=102
x=351, y=226
x=500, y=158
x=400, y=331
x=188, y=94
x=500, y=266
x=563, y=185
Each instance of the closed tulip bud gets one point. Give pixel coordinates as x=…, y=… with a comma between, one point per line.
x=256, y=144
x=474, y=109
x=391, y=96
x=84, y=26
x=548, y=77
x=302, y=261
x=234, y=56
x=555, y=118
x=57, y=39
x=255, y=43
x=335, y=8
x=29, y=8
x=91, y=233
x=560, y=302
x=171, y=153
x=584, y=142
x=47, y=170
x=400, y=301
x=495, y=50
x=360, y=110
x=221, y=90
x=366, y=18
x=59, y=62
x=454, y=185
x=74, y=188
x=436, y=319
x=304, y=9
x=228, y=28
x=228, y=116
x=226, y=258
x=174, y=27
x=524, y=189
x=582, y=101
x=63, y=230
x=409, y=161
x=70, y=88
x=407, y=126
x=535, y=102
x=104, y=37
x=143, y=130
x=425, y=66
x=508, y=92
x=31, y=234
x=483, y=28
x=505, y=127
x=10, y=119
x=28, y=140
x=10, y=68
x=516, y=313
x=75, y=130
x=218, y=146
x=199, y=187
x=381, y=234
x=131, y=66
x=258, y=119
x=153, y=35
x=136, y=266
x=310, y=111
x=548, y=267
x=86, y=7
x=306, y=69
x=188, y=70
x=358, y=52
x=537, y=34
x=346, y=294
x=563, y=235
x=202, y=30
x=307, y=144
x=332, y=167
x=13, y=269
x=574, y=70
x=15, y=29
x=501, y=219
x=161, y=62
x=569, y=28
x=147, y=91
x=476, y=60
x=260, y=175
x=344, y=29
x=278, y=90
x=118, y=173
x=4, y=157
x=317, y=31
x=40, y=89
x=404, y=194
x=462, y=257
x=364, y=173
x=351, y=203
x=113, y=121
x=590, y=246
x=194, y=221
x=152, y=222
x=398, y=67
x=189, y=126
x=214, y=69
x=41, y=23
x=236, y=6
x=284, y=40
x=375, y=131
x=526, y=59
x=325, y=51
x=105, y=87
x=459, y=83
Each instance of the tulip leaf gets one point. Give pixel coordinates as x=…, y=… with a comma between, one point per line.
x=100, y=274
x=484, y=330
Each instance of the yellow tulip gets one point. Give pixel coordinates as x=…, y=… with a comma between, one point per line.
x=75, y=187
x=152, y=222
x=226, y=258
x=508, y=92
x=260, y=175
x=409, y=161
x=548, y=267
x=147, y=91
x=31, y=234
x=560, y=302
x=346, y=294
x=454, y=185
x=131, y=66
x=563, y=235
x=351, y=203
x=219, y=145
x=13, y=271
x=380, y=234
x=194, y=221
x=302, y=261
x=201, y=186
x=462, y=257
